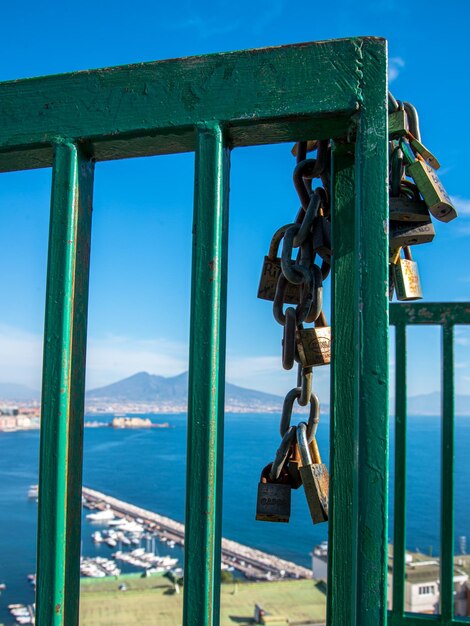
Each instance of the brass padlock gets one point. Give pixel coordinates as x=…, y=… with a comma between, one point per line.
x=407, y=210
x=410, y=233
x=314, y=344
x=274, y=497
x=315, y=477
x=429, y=185
x=407, y=282
x=397, y=123
x=271, y=272
x=419, y=148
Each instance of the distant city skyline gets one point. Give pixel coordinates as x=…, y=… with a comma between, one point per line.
x=141, y=246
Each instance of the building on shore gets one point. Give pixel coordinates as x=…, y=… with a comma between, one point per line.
x=11, y=419
x=422, y=581
x=320, y=561
x=131, y=422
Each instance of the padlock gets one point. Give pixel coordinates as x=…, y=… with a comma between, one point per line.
x=272, y=270
x=410, y=233
x=397, y=123
x=429, y=185
x=274, y=497
x=314, y=344
x=419, y=148
x=393, y=255
x=268, y=282
x=407, y=210
x=315, y=477
x=406, y=276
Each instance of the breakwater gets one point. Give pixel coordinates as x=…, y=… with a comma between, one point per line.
x=254, y=564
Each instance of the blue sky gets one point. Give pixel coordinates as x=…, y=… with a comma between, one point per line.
x=141, y=248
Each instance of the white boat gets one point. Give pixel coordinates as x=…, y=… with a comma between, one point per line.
x=97, y=537
x=138, y=552
x=101, y=516
x=33, y=492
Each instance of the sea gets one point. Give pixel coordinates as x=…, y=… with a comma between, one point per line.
x=147, y=468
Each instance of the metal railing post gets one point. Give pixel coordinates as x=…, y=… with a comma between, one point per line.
x=63, y=389
x=202, y=557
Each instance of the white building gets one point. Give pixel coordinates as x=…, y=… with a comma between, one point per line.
x=320, y=561
x=422, y=584
x=422, y=581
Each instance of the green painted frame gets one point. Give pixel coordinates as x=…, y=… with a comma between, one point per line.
x=212, y=104
x=445, y=315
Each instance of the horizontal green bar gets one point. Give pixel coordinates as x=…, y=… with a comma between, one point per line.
x=438, y=313
x=418, y=619
x=258, y=96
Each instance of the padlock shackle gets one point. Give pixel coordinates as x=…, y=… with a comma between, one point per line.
x=276, y=241
x=413, y=120
x=282, y=453
x=302, y=441
x=407, y=253
x=408, y=153
x=392, y=103
x=397, y=170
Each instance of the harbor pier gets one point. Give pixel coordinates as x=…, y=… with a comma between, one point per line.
x=252, y=563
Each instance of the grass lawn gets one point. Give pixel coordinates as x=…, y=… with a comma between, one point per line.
x=151, y=602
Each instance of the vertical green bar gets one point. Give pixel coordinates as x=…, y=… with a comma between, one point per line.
x=202, y=558
x=399, y=504
x=358, y=586
x=447, y=475
x=371, y=315
x=342, y=526
x=63, y=389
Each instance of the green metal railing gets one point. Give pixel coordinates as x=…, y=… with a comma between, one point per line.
x=211, y=105
x=446, y=315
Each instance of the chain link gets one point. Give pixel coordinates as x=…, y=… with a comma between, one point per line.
x=306, y=253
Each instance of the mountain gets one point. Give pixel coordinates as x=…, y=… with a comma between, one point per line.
x=430, y=404
x=13, y=392
x=145, y=388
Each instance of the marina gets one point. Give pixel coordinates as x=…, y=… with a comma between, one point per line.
x=252, y=563
x=131, y=532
